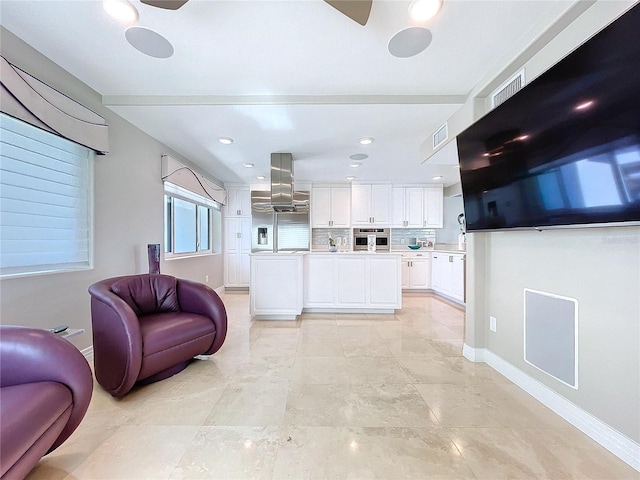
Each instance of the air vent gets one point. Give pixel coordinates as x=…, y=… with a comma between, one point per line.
x=440, y=136
x=507, y=89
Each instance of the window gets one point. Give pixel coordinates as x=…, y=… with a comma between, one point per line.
x=192, y=223
x=46, y=201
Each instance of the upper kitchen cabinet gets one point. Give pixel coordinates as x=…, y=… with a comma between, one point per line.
x=433, y=204
x=371, y=205
x=238, y=201
x=407, y=205
x=330, y=207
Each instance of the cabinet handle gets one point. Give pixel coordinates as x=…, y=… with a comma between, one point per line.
x=239, y=235
x=450, y=258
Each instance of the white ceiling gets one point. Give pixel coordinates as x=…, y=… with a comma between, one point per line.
x=287, y=76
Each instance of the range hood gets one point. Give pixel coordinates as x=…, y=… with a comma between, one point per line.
x=282, y=182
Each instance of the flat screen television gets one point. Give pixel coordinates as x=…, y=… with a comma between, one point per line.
x=565, y=150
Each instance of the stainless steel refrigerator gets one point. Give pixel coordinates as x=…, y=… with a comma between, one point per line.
x=273, y=230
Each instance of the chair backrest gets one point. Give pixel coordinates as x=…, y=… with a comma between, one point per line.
x=148, y=294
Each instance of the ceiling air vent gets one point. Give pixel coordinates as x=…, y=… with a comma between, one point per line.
x=440, y=136
x=507, y=89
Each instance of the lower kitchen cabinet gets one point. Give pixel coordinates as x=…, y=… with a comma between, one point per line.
x=276, y=286
x=358, y=282
x=447, y=274
x=416, y=272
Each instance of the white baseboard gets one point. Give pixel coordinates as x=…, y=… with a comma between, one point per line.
x=618, y=444
x=219, y=290
x=87, y=352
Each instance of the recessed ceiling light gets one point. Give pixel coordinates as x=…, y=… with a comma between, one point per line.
x=149, y=42
x=121, y=10
x=358, y=156
x=350, y=177
x=226, y=140
x=249, y=165
x=260, y=177
x=584, y=105
x=366, y=140
x=437, y=177
x=420, y=11
x=355, y=164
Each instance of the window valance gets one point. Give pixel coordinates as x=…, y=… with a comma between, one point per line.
x=176, y=172
x=27, y=98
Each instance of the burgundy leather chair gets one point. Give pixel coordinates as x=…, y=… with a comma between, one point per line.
x=149, y=327
x=45, y=390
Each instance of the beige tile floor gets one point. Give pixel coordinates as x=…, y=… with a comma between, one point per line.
x=331, y=397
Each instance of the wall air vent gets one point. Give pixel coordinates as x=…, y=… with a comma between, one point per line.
x=441, y=136
x=507, y=89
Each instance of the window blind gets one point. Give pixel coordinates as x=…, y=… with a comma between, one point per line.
x=45, y=200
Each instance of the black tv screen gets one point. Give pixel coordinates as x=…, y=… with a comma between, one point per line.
x=564, y=150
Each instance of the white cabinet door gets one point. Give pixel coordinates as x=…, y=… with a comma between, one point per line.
x=244, y=270
x=320, y=282
x=351, y=281
x=381, y=204
x=384, y=277
x=414, y=207
x=245, y=234
x=341, y=207
x=433, y=206
x=406, y=273
x=238, y=202
x=321, y=207
x=440, y=272
x=231, y=267
x=420, y=273
x=397, y=207
x=237, y=249
x=232, y=233
x=361, y=204
x=457, y=277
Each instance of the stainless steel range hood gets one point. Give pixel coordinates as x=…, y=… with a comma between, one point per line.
x=282, y=182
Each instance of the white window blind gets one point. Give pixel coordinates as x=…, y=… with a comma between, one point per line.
x=45, y=200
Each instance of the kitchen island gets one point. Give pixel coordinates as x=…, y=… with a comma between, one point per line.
x=285, y=284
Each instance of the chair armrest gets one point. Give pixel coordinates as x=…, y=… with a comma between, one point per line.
x=117, y=340
x=198, y=298
x=30, y=355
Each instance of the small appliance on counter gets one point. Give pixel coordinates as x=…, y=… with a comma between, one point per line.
x=427, y=242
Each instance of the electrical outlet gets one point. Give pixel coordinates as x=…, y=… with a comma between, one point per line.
x=206, y=279
x=492, y=323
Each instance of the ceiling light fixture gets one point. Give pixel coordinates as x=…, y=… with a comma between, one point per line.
x=260, y=177
x=584, y=105
x=225, y=140
x=122, y=10
x=366, y=140
x=359, y=156
x=421, y=11
x=249, y=165
x=438, y=177
x=350, y=177
x=355, y=164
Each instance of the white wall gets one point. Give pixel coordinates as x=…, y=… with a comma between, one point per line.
x=128, y=215
x=452, y=207
x=600, y=267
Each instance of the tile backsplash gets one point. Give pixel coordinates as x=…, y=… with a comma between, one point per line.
x=408, y=236
x=320, y=236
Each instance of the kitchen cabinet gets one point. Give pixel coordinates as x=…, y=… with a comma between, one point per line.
x=238, y=201
x=448, y=275
x=237, y=247
x=407, y=207
x=276, y=286
x=371, y=205
x=433, y=207
x=330, y=207
x=344, y=282
x=416, y=271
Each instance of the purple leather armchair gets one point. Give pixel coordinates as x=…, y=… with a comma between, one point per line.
x=45, y=390
x=149, y=327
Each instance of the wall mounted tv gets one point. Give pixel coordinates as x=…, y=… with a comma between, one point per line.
x=565, y=150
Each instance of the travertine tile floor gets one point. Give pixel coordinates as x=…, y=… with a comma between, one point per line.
x=335, y=397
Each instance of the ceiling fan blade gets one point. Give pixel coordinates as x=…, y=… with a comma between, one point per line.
x=166, y=4
x=356, y=10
